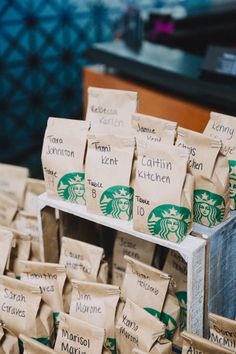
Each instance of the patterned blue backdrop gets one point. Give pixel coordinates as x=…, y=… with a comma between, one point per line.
x=41, y=46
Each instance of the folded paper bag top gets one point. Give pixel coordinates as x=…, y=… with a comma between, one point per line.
x=222, y=331
x=63, y=156
x=223, y=127
x=195, y=344
x=31, y=346
x=109, y=110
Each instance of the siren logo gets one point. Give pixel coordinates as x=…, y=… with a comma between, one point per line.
x=170, y=222
x=110, y=344
x=232, y=182
x=117, y=201
x=71, y=188
x=209, y=208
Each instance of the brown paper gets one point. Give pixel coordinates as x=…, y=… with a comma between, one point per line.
x=153, y=128
x=21, y=309
x=223, y=331
x=170, y=315
x=13, y=182
x=145, y=285
x=134, y=247
x=211, y=173
x=195, y=344
x=50, y=278
x=96, y=304
x=7, y=241
x=162, y=192
x=76, y=336
x=138, y=329
x=109, y=111
x=108, y=170
x=8, y=209
x=28, y=224
x=8, y=342
x=63, y=159
x=176, y=266
x=223, y=127
x=31, y=346
x=34, y=188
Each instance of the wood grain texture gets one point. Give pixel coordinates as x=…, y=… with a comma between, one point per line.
x=151, y=101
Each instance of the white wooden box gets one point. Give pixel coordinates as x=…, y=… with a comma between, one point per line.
x=192, y=249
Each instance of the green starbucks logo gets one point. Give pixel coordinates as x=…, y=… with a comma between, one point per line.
x=208, y=208
x=170, y=323
x=71, y=188
x=232, y=182
x=117, y=201
x=153, y=312
x=170, y=222
x=110, y=344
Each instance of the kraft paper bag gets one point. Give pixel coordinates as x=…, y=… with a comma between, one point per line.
x=8, y=342
x=76, y=336
x=8, y=210
x=109, y=110
x=134, y=247
x=108, y=171
x=223, y=331
x=162, y=191
x=211, y=174
x=170, y=315
x=145, y=285
x=96, y=304
x=28, y=224
x=136, y=328
x=223, y=127
x=153, y=128
x=13, y=182
x=22, y=309
x=63, y=159
x=176, y=266
x=7, y=241
x=195, y=344
x=34, y=187
x=20, y=251
x=31, y=346
x=50, y=278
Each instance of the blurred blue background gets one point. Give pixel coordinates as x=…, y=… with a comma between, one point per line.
x=41, y=47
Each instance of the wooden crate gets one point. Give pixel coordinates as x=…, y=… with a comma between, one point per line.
x=192, y=249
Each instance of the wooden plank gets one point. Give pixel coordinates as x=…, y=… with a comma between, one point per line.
x=49, y=235
x=151, y=100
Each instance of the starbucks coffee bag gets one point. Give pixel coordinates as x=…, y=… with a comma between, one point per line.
x=8, y=210
x=138, y=329
x=13, y=182
x=31, y=346
x=223, y=127
x=96, y=304
x=153, y=128
x=108, y=170
x=145, y=285
x=134, y=247
x=162, y=192
x=20, y=251
x=82, y=260
x=63, y=159
x=109, y=111
x=223, y=331
x=76, y=336
x=176, y=266
x=28, y=224
x=170, y=315
x=195, y=344
x=211, y=173
x=34, y=187
x=8, y=342
x=7, y=241
x=50, y=278
x=22, y=309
